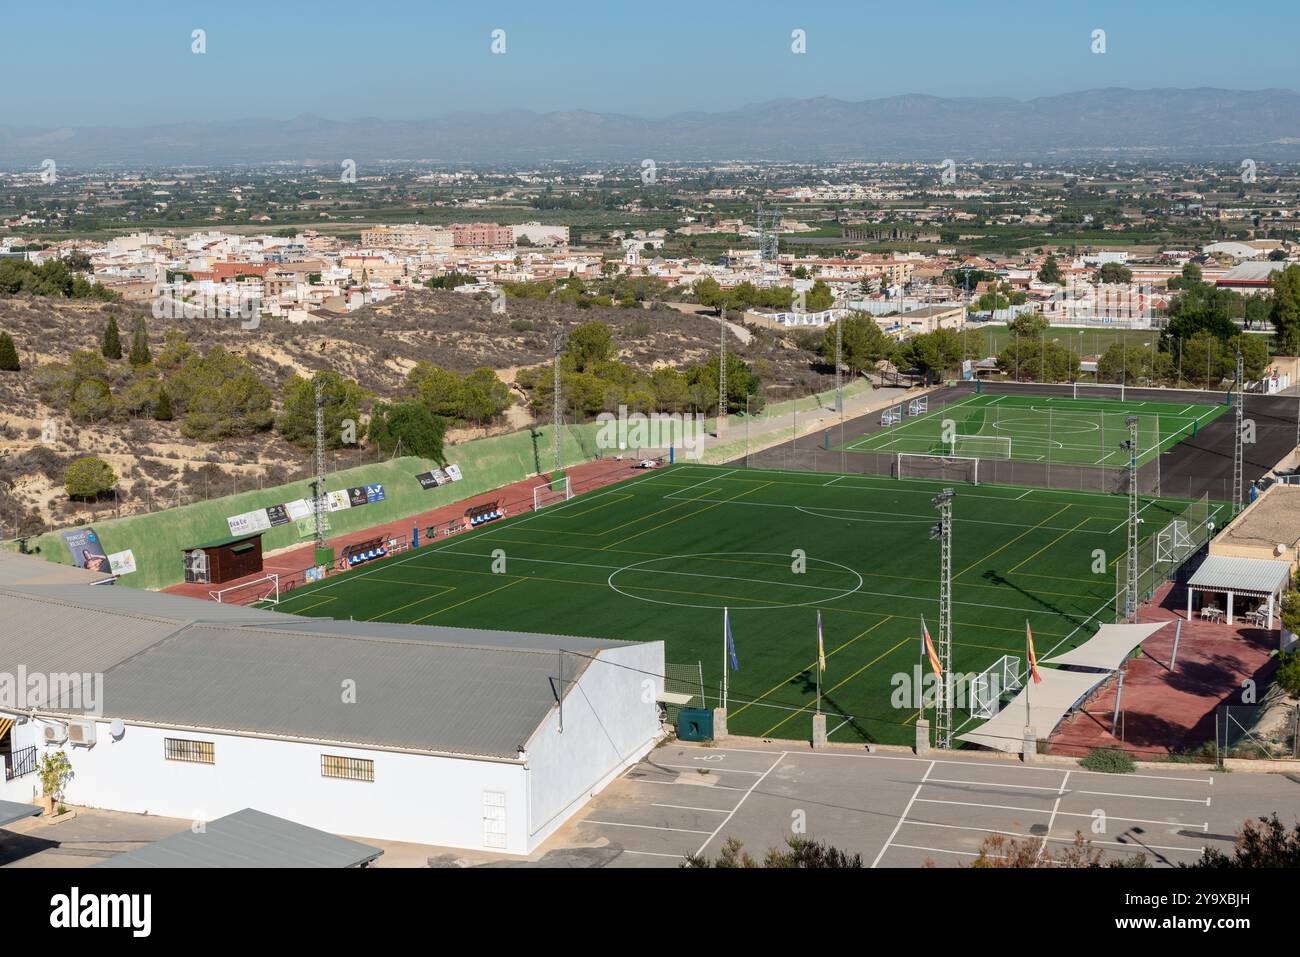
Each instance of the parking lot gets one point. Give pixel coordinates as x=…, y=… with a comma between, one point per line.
x=899, y=810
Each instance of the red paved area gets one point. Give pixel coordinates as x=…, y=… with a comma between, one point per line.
x=1168, y=711
x=291, y=563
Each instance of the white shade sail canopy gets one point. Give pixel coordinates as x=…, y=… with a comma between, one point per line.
x=1108, y=648
x=1048, y=703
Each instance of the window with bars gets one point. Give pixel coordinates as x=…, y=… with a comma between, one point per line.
x=194, y=752
x=347, y=769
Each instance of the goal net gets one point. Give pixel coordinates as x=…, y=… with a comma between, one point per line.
x=559, y=490
x=259, y=591
x=1098, y=390
x=981, y=446
x=987, y=687
x=944, y=468
x=919, y=406
x=892, y=416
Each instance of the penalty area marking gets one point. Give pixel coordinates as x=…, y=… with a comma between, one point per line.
x=640, y=567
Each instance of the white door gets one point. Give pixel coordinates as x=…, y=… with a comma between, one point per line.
x=494, y=819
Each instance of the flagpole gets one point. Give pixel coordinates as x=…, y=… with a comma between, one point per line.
x=724, y=659
x=1029, y=674
x=818, y=664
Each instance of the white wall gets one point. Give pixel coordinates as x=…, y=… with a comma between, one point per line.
x=611, y=721
x=418, y=798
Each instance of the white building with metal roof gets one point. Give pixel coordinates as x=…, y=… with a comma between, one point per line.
x=445, y=736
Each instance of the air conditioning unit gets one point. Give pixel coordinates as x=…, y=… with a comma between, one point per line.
x=82, y=733
x=55, y=733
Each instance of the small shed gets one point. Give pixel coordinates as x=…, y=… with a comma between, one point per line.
x=224, y=560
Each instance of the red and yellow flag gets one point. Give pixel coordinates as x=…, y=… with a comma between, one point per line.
x=1029, y=653
x=929, y=650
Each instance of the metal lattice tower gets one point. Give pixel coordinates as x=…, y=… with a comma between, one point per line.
x=722, y=368
x=767, y=222
x=1238, y=450
x=1131, y=580
x=943, y=532
x=556, y=416
x=319, y=502
x=839, y=357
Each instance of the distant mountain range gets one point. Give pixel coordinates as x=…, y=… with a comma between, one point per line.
x=1120, y=123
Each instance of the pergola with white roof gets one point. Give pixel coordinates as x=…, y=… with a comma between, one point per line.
x=1042, y=706
x=1264, y=579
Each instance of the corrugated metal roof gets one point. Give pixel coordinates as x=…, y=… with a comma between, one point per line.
x=421, y=695
x=440, y=633
x=199, y=664
x=1255, y=576
x=248, y=838
x=18, y=569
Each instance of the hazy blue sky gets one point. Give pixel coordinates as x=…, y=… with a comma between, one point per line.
x=128, y=62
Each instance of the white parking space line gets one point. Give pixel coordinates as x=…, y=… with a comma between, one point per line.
x=936, y=850
x=706, y=810
x=899, y=823
x=710, y=838
x=995, y=784
x=1147, y=797
x=676, y=857
x=995, y=807
x=676, y=783
x=644, y=827
x=1138, y=820
x=710, y=768
x=1055, y=808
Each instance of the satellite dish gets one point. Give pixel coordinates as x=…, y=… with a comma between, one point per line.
x=117, y=728
x=1279, y=549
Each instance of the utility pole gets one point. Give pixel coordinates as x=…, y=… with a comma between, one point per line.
x=1131, y=584
x=942, y=532
x=556, y=415
x=839, y=357
x=1238, y=456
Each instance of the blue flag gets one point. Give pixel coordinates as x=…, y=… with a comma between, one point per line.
x=731, y=643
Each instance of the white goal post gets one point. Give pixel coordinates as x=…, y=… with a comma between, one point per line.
x=892, y=415
x=919, y=406
x=1099, y=390
x=981, y=446
x=945, y=468
x=549, y=494
x=260, y=590
x=987, y=687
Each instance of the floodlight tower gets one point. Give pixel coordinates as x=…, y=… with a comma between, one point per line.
x=767, y=221
x=556, y=419
x=722, y=372
x=839, y=356
x=318, y=503
x=1130, y=445
x=942, y=532
x=1238, y=450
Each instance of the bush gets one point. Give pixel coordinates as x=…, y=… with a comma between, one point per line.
x=1108, y=761
x=1288, y=673
x=88, y=477
x=8, y=354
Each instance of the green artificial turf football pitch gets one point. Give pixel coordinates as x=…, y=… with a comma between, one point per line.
x=1051, y=429
x=659, y=556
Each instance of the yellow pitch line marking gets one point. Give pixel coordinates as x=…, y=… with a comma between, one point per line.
x=443, y=589
x=470, y=599
x=1031, y=528
x=882, y=655
x=796, y=674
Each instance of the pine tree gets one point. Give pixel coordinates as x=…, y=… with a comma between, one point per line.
x=112, y=347
x=8, y=354
x=140, y=355
x=162, y=411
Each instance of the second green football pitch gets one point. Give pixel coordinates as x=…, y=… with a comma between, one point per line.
x=1051, y=429
x=658, y=557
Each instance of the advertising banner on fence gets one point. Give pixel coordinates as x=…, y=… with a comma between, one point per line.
x=87, y=552
x=277, y=514
x=356, y=496
x=249, y=522
x=427, y=480
x=299, y=509
x=122, y=563
x=374, y=493
x=453, y=472
x=338, y=500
